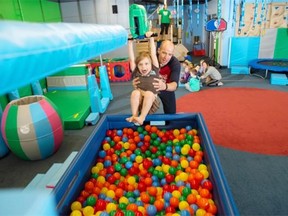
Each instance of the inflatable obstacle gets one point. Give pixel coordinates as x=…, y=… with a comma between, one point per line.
x=138, y=21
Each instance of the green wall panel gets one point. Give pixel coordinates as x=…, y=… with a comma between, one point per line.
x=31, y=10
x=51, y=11
x=10, y=10
x=3, y=101
x=281, y=46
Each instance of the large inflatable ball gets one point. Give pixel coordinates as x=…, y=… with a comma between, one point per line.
x=32, y=128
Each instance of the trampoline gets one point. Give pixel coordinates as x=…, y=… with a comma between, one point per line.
x=275, y=65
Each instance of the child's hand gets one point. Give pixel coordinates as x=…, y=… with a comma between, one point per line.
x=149, y=34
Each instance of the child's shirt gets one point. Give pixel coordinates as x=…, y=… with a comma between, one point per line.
x=146, y=82
x=194, y=83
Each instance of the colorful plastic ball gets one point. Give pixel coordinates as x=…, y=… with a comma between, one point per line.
x=183, y=205
x=110, y=194
x=176, y=132
x=139, y=159
x=176, y=193
x=205, y=173
x=32, y=128
x=76, y=213
x=185, y=150
x=128, y=164
x=167, y=196
x=90, y=201
x=131, y=180
x=107, y=163
x=119, y=132
x=88, y=211
x=76, y=205
x=184, y=164
x=151, y=210
x=184, y=213
x=102, y=154
x=200, y=212
x=196, y=146
x=111, y=207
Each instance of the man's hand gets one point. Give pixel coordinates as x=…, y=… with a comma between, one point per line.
x=159, y=84
x=135, y=82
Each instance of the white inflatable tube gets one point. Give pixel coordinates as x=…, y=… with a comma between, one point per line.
x=32, y=51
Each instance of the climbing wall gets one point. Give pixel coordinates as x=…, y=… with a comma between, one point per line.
x=253, y=19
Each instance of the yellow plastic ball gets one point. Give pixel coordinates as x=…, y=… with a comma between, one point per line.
x=106, y=146
x=205, y=173
x=183, y=176
x=202, y=167
x=184, y=164
x=176, y=132
x=200, y=212
x=131, y=180
x=184, y=151
x=139, y=159
x=76, y=213
x=183, y=205
x=100, y=165
x=175, y=141
x=196, y=146
x=123, y=200
x=176, y=193
x=101, y=179
x=126, y=145
x=110, y=194
x=111, y=207
x=76, y=205
x=95, y=170
x=88, y=211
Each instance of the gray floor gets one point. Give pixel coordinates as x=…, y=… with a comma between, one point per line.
x=256, y=199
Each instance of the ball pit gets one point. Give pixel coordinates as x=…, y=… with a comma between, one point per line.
x=153, y=173
x=86, y=167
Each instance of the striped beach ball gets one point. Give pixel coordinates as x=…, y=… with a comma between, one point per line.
x=32, y=128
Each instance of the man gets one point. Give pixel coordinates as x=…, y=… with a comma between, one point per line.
x=169, y=71
x=164, y=19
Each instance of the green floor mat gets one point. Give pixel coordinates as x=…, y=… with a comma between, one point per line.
x=74, y=107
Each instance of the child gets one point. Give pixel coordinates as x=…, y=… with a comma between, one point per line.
x=185, y=72
x=193, y=85
x=145, y=68
x=211, y=75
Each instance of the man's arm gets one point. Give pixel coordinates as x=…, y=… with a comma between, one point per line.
x=175, y=68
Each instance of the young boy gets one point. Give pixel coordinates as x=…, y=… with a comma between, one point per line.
x=145, y=68
x=193, y=84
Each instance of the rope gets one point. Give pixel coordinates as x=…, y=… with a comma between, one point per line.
x=255, y=14
x=191, y=13
x=206, y=13
x=182, y=14
x=241, y=22
x=234, y=13
x=219, y=11
x=198, y=15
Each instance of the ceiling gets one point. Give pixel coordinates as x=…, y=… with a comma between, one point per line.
x=169, y=2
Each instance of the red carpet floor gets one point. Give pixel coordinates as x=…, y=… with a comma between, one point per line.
x=246, y=119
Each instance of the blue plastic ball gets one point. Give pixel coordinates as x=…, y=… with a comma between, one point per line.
x=151, y=210
x=119, y=132
x=167, y=196
x=102, y=154
x=128, y=164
